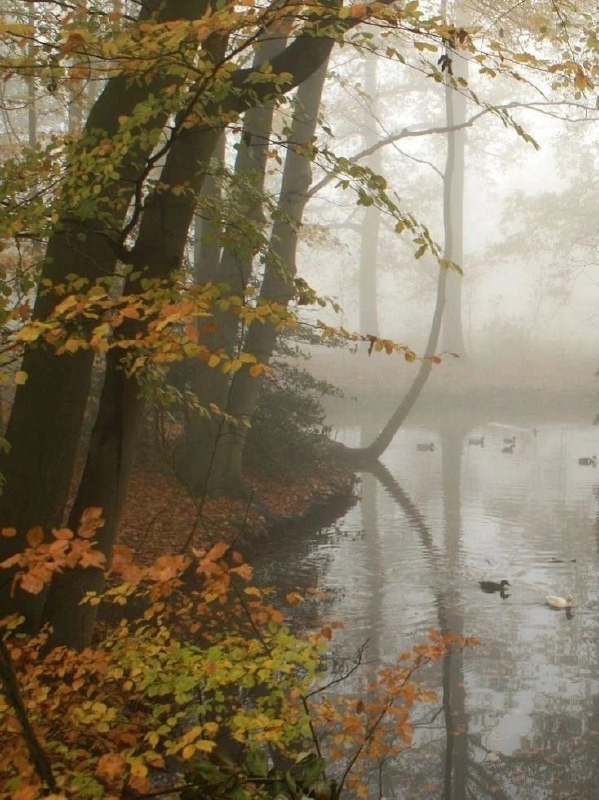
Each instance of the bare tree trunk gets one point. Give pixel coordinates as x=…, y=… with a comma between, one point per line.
x=453, y=187
x=278, y=285
x=207, y=239
x=371, y=222
x=211, y=385
x=453, y=195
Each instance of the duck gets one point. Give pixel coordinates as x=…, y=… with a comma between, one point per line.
x=508, y=448
x=425, y=446
x=588, y=462
x=510, y=440
x=480, y=441
x=555, y=601
x=493, y=586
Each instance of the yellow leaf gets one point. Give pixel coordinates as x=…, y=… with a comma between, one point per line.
x=188, y=751
x=155, y=760
x=31, y=333
x=205, y=745
x=20, y=377
x=214, y=360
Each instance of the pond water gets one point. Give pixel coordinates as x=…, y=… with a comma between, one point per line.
x=518, y=714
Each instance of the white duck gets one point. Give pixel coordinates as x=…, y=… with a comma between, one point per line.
x=555, y=601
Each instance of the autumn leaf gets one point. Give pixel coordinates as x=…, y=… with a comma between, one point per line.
x=92, y=558
x=256, y=370
x=110, y=766
x=91, y=520
x=35, y=536
x=62, y=533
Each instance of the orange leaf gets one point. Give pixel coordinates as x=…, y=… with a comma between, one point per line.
x=110, y=766
x=191, y=332
x=256, y=369
x=62, y=533
x=91, y=520
x=128, y=311
x=244, y=571
x=35, y=536
x=92, y=558
x=216, y=551
x=8, y=532
x=293, y=598
x=24, y=793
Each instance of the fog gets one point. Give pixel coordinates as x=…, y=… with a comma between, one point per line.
x=530, y=280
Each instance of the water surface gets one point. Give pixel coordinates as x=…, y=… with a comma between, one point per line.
x=519, y=713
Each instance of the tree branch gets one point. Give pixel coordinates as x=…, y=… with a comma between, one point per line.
x=11, y=688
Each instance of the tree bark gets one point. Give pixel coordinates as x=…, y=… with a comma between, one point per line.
x=278, y=285
x=45, y=422
x=159, y=248
x=452, y=338
x=371, y=222
x=210, y=385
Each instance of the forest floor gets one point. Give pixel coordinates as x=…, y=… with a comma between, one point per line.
x=161, y=516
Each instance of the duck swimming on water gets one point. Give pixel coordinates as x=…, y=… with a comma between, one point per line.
x=479, y=440
x=555, y=601
x=493, y=586
x=588, y=462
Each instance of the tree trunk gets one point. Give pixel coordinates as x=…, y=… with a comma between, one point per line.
x=453, y=184
x=453, y=196
x=210, y=385
x=371, y=222
x=45, y=422
x=159, y=248
x=207, y=235
x=226, y=473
